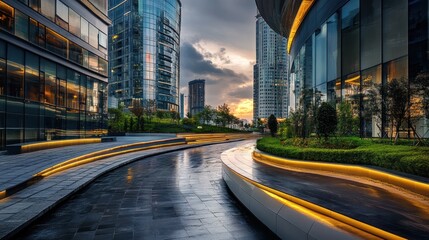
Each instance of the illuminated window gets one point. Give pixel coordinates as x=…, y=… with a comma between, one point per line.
x=6, y=17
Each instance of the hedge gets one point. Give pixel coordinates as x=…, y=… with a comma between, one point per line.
x=408, y=159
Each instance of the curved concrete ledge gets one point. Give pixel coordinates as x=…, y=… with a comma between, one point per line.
x=407, y=183
x=36, y=146
x=289, y=217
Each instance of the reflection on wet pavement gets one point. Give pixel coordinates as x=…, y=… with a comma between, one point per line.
x=178, y=195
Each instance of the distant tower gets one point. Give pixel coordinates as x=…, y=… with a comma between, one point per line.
x=196, y=96
x=270, y=88
x=182, y=105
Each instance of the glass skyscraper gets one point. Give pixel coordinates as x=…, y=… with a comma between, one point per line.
x=53, y=70
x=343, y=50
x=270, y=73
x=144, y=48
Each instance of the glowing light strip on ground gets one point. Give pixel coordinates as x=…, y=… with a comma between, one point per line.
x=60, y=143
x=359, y=171
x=300, y=15
x=343, y=222
x=94, y=157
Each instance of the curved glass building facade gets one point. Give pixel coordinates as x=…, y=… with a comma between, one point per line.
x=53, y=70
x=144, y=47
x=344, y=49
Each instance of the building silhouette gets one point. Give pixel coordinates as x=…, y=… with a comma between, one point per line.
x=196, y=98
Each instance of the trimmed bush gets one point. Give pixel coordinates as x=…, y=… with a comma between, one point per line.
x=413, y=160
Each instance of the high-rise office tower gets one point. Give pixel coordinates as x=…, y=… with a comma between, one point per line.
x=144, y=44
x=196, y=96
x=182, y=105
x=270, y=89
x=53, y=69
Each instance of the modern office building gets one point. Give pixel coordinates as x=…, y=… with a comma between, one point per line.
x=341, y=50
x=196, y=96
x=270, y=73
x=182, y=105
x=144, y=48
x=53, y=70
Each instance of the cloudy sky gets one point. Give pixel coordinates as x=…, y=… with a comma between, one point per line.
x=218, y=45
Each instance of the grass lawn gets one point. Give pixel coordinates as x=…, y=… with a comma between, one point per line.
x=408, y=159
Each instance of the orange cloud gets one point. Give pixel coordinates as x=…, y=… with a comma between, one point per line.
x=243, y=109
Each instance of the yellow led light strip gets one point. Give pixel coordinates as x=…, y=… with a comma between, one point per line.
x=96, y=156
x=60, y=143
x=358, y=171
x=300, y=15
x=348, y=224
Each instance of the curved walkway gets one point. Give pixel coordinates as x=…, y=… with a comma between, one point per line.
x=177, y=195
x=387, y=210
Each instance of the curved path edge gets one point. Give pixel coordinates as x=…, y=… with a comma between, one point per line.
x=407, y=182
x=25, y=207
x=290, y=217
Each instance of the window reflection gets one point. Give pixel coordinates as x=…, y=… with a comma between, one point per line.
x=6, y=17
x=21, y=25
x=15, y=71
x=350, y=37
x=47, y=8
x=32, y=82
x=371, y=102
x=56, y=43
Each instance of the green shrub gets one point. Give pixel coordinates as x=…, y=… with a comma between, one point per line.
x=414, y=160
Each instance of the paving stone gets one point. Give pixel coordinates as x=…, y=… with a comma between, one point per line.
x=147, y=199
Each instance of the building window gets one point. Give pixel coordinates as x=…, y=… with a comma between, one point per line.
x=102, y=39
x=74, y=23
x=47, y=8
x=333, y=41
x=15, y=71
x=102, y=66
x=72, y=89
x=75, y=54
x=62, y=18
x=370, y=33
x=84, y=29
x=61, y=86
x=6, y=17
x=32, y=81
x=21, y=25
x=93, y=36
x=371, y=102
x=395, y=29
x=93, y=61
x=48, y=75
x=350, y=37
x=56, y=43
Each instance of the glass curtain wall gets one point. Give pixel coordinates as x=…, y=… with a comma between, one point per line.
x=359, y=49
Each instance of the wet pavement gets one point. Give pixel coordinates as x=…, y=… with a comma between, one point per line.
x=388, y=210
x=178, y=195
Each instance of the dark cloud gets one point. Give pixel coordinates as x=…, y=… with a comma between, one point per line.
x=229, y=21
x=242, y=92
x=193, y=62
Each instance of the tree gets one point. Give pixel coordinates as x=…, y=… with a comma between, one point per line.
x=345, y=119
x=326, y=120
x=207, y=114
x=273, y=124
x=297, y=122
x=224, y=114
x=397, y=103
x=137, y=109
